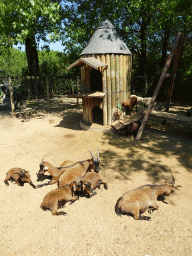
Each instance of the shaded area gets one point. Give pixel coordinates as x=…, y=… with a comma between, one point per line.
x=156, y=144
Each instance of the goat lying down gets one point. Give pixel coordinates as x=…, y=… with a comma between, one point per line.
x=73, y=172
x=55, y=172
x=57, y=198
x=78, y=170
x=137, y=201
x=92, y=179
x=20, y=176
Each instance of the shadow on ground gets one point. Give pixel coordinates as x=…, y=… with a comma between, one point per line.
x=154, y=144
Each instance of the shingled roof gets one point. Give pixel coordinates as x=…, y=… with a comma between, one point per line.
x=105, y=40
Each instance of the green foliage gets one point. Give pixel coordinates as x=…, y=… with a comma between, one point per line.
x=26, y=18
x=12, y=61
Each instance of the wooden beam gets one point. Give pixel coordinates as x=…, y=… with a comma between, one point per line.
x=188, y=38
x=167, y=64
x=175, y=64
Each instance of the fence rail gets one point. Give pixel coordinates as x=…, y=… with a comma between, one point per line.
x=39, y=87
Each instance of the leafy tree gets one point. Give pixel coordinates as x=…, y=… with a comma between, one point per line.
x=28, y=21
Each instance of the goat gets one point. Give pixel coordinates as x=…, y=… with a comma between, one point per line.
x=20, y=176
x=128, y=105
x=82, y=186
x=76, y=171
x=55, y=172
x=57, y=198
x=130, y=129
x=94, y=179
x=137, y=201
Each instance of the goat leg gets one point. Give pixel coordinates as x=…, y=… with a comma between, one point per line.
x=6, y=182
x=73, y=200
x=31, y=183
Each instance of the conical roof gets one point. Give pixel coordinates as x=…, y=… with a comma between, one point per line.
x=105, y=40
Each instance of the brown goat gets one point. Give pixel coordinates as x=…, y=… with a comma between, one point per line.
x=20, y=176
x=75, y=172
x=82, y=186
x=128, y=105
x=94, y=179
x=137, y=201
x=131, y=129
x=57, y=198
x=55, y=172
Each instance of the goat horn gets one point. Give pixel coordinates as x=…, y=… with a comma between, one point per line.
x=173, y=180
x=92, y=155
x=98, y=154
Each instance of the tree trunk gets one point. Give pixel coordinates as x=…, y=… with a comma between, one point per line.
x=143, y=56
x=33, y=62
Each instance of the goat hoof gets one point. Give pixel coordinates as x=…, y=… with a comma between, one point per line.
x=64, y=213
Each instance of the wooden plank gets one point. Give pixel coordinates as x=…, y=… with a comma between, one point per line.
x=167, y=64
x=117, y=125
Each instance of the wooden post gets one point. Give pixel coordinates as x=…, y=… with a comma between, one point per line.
x=124, y=77
x=117, y=79
x=104, y=75
x=11, y=97
x=108, y=90
x=129, y=75
x=113, y=93
x=48, y=98
x=77, y=90
x=167, y=64
x=121, y=78
x=173, y=73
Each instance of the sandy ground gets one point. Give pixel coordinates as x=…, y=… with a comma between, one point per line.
x=91, y=226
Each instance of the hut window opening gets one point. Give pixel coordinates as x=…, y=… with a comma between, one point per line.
x=95, y=80
x=97, y=115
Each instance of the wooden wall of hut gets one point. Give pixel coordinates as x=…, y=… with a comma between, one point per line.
x=116, y=80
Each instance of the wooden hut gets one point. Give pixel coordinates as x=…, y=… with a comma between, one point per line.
x=106, y=65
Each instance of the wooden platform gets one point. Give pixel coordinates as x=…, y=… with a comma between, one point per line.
x=118, y=124
x=87, y=95
x=171, y=116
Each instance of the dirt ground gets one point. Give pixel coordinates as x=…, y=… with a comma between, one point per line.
x=91, y=226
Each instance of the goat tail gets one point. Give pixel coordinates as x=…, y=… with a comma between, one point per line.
x=117, y=208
